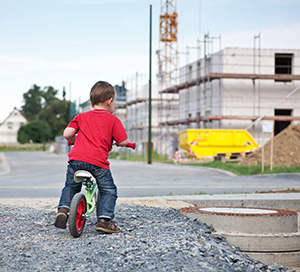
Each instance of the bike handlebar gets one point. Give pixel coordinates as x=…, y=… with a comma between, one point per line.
x=130, y=145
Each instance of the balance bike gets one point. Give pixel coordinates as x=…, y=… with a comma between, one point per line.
x=83, y=205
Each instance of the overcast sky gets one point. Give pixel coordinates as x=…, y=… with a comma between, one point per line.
x=74, y=43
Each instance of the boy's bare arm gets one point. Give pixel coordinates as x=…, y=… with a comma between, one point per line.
x=123, y=143
x=69, y=134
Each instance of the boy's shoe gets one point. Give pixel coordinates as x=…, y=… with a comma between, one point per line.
x=107, y=226
x=61, y=218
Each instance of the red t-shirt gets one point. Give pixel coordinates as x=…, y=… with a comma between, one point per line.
x=96, y=130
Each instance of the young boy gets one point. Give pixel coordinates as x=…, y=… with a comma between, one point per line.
x=96, y=130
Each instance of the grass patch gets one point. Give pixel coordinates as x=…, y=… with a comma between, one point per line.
x=22, y=147
x=243, y=170
x=233, y=167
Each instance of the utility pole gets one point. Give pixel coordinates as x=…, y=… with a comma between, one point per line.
x=150, y=95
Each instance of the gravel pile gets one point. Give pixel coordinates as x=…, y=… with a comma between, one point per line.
x=153, y=239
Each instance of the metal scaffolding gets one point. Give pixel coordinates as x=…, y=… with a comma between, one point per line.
x=207, y=72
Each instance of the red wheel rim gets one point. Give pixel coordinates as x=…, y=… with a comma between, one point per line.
x=80, y=215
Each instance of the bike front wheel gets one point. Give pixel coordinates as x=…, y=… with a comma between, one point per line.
x=77, y=214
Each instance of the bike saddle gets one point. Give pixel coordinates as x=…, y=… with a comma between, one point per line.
x=82, y=175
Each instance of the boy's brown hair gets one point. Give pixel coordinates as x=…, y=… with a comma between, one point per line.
x=101, y=92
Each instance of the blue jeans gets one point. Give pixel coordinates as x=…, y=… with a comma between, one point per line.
x=106, y=188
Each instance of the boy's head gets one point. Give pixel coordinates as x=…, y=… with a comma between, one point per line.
x=101, y=92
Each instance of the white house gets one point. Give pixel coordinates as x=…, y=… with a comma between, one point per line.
x=10, y=126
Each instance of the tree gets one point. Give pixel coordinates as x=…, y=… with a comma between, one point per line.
x=56, y=114
x=42, y=104
x=32, y=102
x=36, y=99
x=49, y=94
x=64, y=94
x=36, y=131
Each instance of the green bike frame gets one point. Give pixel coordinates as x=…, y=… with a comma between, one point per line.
x=91, y=192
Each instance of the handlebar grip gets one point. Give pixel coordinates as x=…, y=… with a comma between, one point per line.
x=131, y=145
x=70, y=143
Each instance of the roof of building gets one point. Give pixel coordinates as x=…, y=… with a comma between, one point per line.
x=15, y=109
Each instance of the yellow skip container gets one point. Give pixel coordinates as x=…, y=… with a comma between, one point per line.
x=216, y=142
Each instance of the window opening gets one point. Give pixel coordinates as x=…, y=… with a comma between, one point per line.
x=281, y=125
x=283, y=64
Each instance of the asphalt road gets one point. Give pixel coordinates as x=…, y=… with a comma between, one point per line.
x=39, y=174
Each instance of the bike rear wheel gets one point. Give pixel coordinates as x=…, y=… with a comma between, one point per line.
x=77, y=215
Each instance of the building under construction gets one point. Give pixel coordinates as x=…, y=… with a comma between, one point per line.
x=235, y=88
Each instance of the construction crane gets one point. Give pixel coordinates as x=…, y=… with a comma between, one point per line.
x=168, y=48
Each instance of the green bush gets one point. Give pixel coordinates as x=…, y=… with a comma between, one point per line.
x=36, y=131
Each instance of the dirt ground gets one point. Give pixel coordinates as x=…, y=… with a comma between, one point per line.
x=286, y=149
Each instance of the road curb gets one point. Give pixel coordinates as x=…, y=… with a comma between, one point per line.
x=282, y=201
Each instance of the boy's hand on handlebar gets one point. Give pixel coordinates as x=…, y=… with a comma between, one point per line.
x=131, y=145
x=126, y=144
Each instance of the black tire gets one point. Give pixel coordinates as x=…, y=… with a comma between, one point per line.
x=77, y=215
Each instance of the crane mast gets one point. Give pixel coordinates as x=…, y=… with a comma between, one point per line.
x=168, y=47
